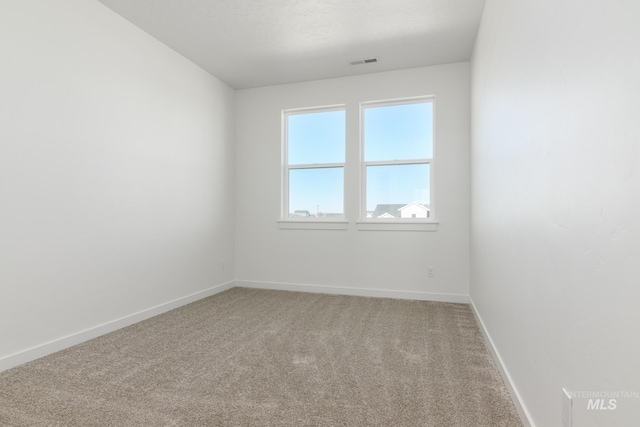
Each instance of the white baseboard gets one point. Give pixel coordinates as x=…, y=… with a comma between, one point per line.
x=70, y=340
x=513, y=391
x=365, y=292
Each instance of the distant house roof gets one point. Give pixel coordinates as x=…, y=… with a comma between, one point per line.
x=388, y=209
x=386, y=215
x=420, y=205
x=392, y=210
x=301, y=213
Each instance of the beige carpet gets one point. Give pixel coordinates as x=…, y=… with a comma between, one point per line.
x=249, y=357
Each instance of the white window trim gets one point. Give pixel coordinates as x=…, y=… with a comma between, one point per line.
x=286, y=222
x=312, y=224
x=395, y=225
x=372, y=224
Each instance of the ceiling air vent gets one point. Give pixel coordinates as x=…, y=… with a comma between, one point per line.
x=364, y=61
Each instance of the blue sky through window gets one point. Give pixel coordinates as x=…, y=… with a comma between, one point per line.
x=397, y=184
x=317, y=190
x=316, y=137
x=392, y=132
x=398, y=132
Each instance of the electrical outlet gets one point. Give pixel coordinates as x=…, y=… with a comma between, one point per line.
x=567, y=408
x=430, y=272
x=222, y=264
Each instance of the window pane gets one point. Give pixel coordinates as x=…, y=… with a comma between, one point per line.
x=398, y=132
x=398, y=191
x=316, y=137
x=316, y=192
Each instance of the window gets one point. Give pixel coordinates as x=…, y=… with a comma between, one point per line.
x=397, y=152
x=313, y=164
x=396, y=163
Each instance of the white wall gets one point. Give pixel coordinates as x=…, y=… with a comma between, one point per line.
x=116, y=175
x=351, y=261
x=556, y=200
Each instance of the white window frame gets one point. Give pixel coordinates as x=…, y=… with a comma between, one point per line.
x=285, y=221
x=394, y=224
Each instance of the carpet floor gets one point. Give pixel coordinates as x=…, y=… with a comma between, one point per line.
x=250, y=357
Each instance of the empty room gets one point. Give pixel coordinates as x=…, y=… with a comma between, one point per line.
x=320, y=213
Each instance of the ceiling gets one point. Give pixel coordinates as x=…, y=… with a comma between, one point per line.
x=252, y=43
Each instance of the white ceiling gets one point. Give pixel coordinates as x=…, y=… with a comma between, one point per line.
x=252, y=43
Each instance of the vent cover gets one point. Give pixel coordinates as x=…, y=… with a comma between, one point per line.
x=364, y=61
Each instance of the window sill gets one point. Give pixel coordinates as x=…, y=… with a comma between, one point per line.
x=312, y=225
x=397, y=226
